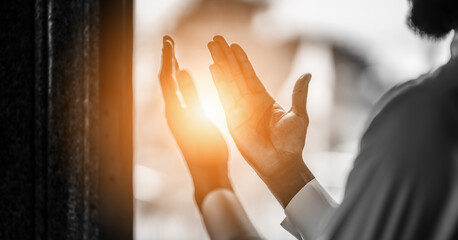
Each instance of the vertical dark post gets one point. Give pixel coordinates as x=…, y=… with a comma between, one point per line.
x=116, y=197
x=66, y=119
x=17, y=171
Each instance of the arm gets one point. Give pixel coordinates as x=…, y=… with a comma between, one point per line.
x=204, y=150
x=225, y=217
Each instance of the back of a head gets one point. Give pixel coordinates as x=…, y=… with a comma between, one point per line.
x=433, y=19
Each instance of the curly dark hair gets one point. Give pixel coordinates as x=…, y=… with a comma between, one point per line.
x=433, y=19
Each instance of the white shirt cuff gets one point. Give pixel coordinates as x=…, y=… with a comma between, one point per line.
x=309, y=211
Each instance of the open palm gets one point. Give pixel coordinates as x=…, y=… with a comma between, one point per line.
x=202, y=145
x=198, y=138
x=269, y=138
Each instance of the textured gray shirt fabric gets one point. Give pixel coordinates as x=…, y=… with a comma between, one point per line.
x=404, y=184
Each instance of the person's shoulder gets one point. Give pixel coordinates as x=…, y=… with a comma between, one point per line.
x=418, y=115
x=444, y=85
x=394, y=94
x=417, y=105
x=406, y=101
x=426, y=104
x=434, y=94
x=415, y=98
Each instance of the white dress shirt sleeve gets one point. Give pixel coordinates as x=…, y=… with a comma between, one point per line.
x=308, y=211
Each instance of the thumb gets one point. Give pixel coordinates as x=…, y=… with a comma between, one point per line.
x=299, y=106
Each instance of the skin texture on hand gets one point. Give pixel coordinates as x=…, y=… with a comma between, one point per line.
x=269, y=138
x=200, y=142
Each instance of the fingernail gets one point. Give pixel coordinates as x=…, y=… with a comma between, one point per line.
x=168, y=38
x=307, y=76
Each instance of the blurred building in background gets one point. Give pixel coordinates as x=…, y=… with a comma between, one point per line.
x=355, y=50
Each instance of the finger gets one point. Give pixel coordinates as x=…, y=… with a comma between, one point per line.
x=167, y=55
x=252, y=80
x=169, y=39
x=166, y=78
x=223, y=68
x=225, y=90
x=219, y=58
x=299, y=106
x=233, y=64
x=188, y=89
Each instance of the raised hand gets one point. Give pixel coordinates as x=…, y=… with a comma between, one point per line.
x=202, y=145
x=269, y=138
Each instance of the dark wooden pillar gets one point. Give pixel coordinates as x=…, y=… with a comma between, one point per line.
x=66, y=119
x=115, y=119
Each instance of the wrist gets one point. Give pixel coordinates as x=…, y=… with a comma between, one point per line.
x=288, y=180
x=208, y=178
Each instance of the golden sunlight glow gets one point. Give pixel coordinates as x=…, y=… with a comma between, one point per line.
x=213, y=110
x=208, y=97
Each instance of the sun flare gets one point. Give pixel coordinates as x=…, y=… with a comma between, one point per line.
x=213, y=111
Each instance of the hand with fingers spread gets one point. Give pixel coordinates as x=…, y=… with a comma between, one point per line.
x=269, y=138
x=202, y=145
